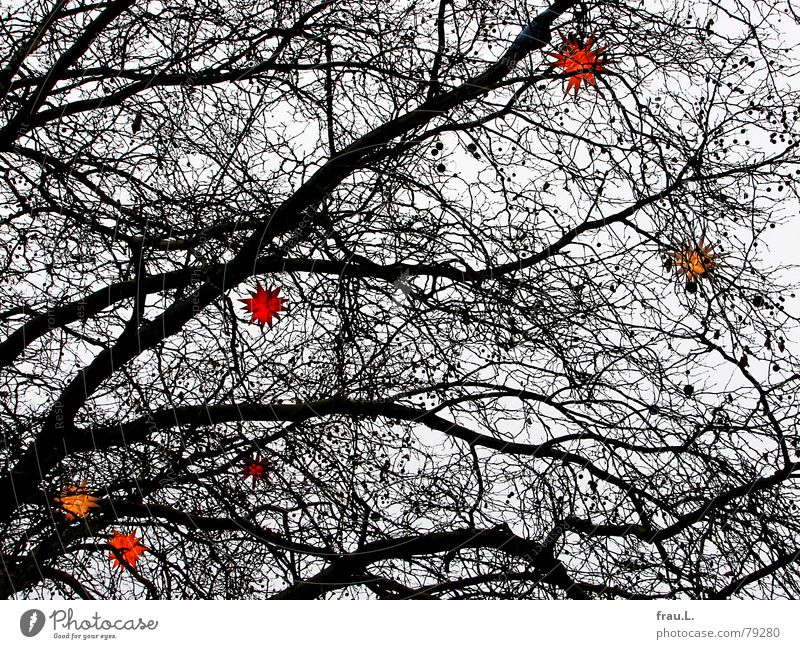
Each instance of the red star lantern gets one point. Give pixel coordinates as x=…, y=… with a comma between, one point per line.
x=128, y=546
x=580, y=60
x=264, y=305
x=256, y=468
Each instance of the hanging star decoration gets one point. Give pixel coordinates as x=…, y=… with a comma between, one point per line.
x=256, y=468
x=695, y=262
x=264, y=305
x=581, y=61
x=76, y=501
x=128, y=546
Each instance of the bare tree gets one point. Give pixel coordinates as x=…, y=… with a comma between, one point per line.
x=529, y=342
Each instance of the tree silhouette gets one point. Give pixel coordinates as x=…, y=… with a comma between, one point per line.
x=534, y=346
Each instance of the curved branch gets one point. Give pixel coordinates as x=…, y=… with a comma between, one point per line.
x=347, y=569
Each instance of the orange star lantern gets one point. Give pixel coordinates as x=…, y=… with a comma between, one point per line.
x=695, y=262
x=76, y=501
x=264, y=305
x=128, y=546
x=580, y=61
